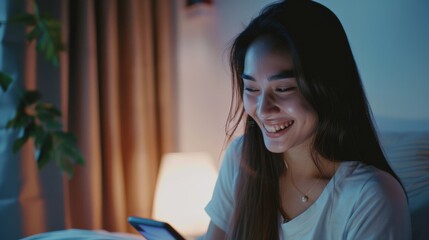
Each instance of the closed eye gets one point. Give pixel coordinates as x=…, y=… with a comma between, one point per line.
x=250, y=89
x=285, y=89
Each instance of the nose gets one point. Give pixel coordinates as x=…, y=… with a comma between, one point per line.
x=266, y=105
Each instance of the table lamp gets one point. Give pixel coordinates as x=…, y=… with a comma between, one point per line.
x=185, y=184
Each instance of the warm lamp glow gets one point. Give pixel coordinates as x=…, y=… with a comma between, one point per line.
x=185, y=185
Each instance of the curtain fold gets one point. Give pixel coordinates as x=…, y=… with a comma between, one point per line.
x=84, y=118
x=115, y=89
x=113, y=169
x=117, y=108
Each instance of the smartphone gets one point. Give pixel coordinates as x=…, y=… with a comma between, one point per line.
x=154, y=230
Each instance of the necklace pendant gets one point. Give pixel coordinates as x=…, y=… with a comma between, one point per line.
x=304, y=199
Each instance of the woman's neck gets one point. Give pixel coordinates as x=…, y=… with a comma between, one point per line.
x=303, y=164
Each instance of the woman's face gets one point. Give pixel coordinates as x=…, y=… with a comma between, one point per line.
x=272, y=98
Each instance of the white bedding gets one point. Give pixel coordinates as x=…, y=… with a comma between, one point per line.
x=78, y=234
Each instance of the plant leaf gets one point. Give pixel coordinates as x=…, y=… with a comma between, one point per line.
x=42, y=42
x=50, y=22
x=39, y=136
x=53, y=125
x=24, y=18
x=20, y=120
x=5, y=81
x=30, y=97
x=74, y=153
x=67, y=145
x=38, y=120
x=45, y=117
x=36, y=9
x=79, y=158
x=33, y=34
x=30, y=129
x=49, y=41
x=65, y=165
x=45, y=151
x=48, y=108
x=19, y=142
x=66, y=137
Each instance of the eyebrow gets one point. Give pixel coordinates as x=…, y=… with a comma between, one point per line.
x=281, y=75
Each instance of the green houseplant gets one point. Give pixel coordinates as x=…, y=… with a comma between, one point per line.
x=34, y=118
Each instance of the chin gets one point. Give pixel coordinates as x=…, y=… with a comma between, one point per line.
x=275, y=147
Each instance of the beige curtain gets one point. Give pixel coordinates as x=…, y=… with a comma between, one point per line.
x=118, y=103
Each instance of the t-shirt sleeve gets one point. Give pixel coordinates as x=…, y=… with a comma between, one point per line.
x=381, y=212
x=221, y=205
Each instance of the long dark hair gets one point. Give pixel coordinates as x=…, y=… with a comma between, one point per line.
x=328, y=78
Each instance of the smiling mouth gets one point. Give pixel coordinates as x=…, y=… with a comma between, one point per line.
x=278, y=127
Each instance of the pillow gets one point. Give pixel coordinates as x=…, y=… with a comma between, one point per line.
x=408, y=155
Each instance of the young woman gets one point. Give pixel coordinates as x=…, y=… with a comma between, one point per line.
x=309, y=164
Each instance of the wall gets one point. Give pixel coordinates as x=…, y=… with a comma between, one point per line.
x=203, y=90
x=390, y=43
x=389, y=40
x=11, y=54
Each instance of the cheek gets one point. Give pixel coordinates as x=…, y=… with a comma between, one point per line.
x=299, y=108
x=293, y=106
x=249, y=105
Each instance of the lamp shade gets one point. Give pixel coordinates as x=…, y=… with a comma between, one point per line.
x=184, y=187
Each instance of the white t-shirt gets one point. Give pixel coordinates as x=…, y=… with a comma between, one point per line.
x=359, y=202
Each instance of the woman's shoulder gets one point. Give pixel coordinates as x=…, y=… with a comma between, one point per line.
x=374, y=203
x=370, y=174
x=236, y=144
x=369, y=181
x=232, y=156
x=234, y=149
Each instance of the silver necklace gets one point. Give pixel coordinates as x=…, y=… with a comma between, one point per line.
x=304, y=197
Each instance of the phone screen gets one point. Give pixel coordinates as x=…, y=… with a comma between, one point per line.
x=155, y=233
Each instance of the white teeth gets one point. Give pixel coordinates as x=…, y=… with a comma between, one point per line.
x=276, y=128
